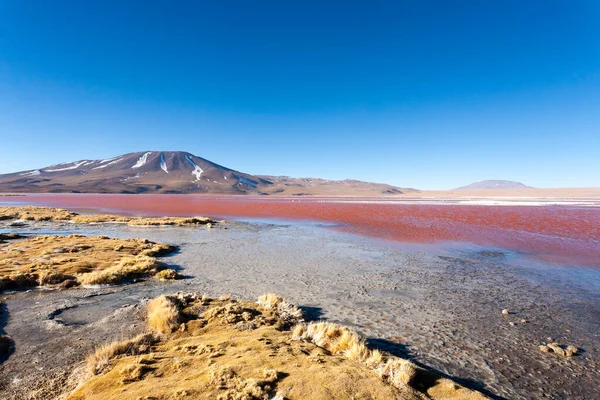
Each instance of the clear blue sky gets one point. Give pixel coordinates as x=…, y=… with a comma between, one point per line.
x=427, y=94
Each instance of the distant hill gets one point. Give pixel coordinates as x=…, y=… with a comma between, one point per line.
x=172, y=172
x=494, y=184
x=307, y=186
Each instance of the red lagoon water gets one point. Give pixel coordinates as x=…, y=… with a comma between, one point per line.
x=558, y=234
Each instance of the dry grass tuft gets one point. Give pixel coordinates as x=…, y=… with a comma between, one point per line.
x=99, y=361
x=89, y=219
x=230, y=312
x=340, y=340
x=326, y=335
x=298, y=331
x=156, y=249
x=174, y=221
x=129, y=268
x=375, y=359
x=447, y=389
x=397, y=372
x=163, y=314
x=167, y=274
x=30, y=213
x=270, y=374
x=269, y=301
x=72, y=259
x=234, y=387
x=287, y=312
x=336, y=339
x=18, y=280
x=51, y=278
x=212, y=358
x=133, y=372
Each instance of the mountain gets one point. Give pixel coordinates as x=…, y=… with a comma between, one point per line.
x=142, y=172
x=308, y=186
x=494, y=184
x=168, y=172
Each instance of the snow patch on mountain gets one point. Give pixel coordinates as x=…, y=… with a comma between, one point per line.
x=62, y=163
x=74, y=165
x=142, y=160
x=163, y=164
x=116, y=160
x=31, y=173
x=247, y=181
x=136, y=176
x=197, y=172
x=109, y=159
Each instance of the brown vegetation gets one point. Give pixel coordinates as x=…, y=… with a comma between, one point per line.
x=99, y=218
x=167, y=275
x=100, y=359
x=170, y=221
x=31, y=213
x=128, y=268
x=163, y=314
x=227, y=349
x=77, y=259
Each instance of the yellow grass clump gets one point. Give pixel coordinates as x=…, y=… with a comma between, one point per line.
x=167, y=274
x=141, y=221
x=77, y=259
x=334, y=338
x=235, y=387
x=100, y=218
x=163, y=314
x=129, y=268
x=288, y=313
x=101, y=358
x=270, y=301
x=133, y=372
x=228, y=349
x=158, y=221
x=32, y=213
x=397, y=371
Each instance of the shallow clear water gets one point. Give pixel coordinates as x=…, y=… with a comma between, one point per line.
x=439, y=303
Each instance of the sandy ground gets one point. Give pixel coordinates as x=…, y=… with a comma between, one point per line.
x=440, y=305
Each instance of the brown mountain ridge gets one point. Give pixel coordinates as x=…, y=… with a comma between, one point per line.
x=173, y=172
